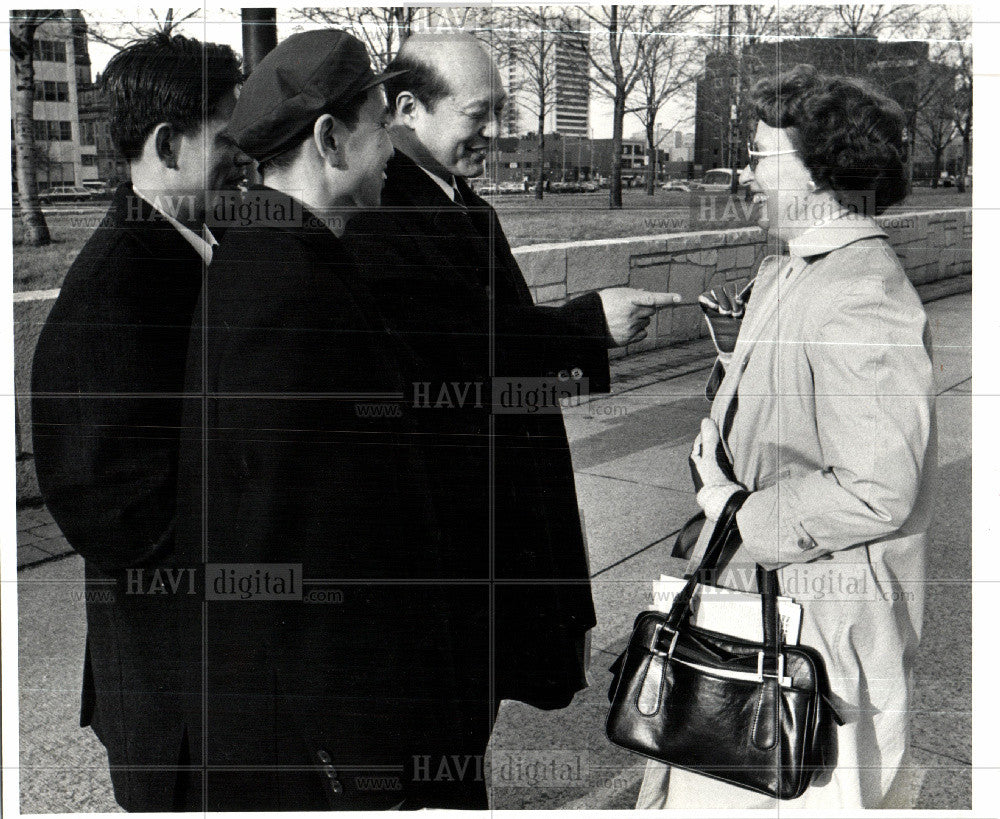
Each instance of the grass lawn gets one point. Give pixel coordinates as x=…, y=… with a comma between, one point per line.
x=526, y=221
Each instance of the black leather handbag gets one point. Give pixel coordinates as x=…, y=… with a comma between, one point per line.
x=755, y=715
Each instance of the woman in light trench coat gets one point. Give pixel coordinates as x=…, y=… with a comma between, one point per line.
x=826, y=410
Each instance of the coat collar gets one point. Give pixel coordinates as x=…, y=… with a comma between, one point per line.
x=832, y=235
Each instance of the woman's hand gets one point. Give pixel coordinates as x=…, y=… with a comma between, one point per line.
x=716, y=488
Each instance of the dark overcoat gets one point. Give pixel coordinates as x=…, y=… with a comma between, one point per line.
x=299, y=451
x=447, y=282
x=106, y=408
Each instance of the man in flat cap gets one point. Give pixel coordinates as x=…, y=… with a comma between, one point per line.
x=331, y=657
x=108, y=369
x=447, y=282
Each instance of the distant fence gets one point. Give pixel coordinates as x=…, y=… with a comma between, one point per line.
x=932, y=245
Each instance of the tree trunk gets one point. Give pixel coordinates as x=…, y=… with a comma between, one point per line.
x=651, y=152
x=937, y=167
x=539, y=188
x=36, y=231
x=618, y=124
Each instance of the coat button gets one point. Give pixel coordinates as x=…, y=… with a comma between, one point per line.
x=577, y=373
x=563, y=375
x=329, y=771
x=805, y=543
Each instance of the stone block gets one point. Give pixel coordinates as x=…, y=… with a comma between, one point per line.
x=543, y=267
x=549, y=294
x=590, y=267
x=706, y=258
x=686, y=279
x=738, y=274
x=687, y=241
x=746, y=255
x=686, y=323
x=726, y=258
x=650, y=278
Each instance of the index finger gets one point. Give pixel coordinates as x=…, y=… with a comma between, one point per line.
x=648, y=299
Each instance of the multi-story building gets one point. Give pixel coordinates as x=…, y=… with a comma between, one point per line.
x=568, y=109
x=95, y=136
x=62, y=71
x=721, y=115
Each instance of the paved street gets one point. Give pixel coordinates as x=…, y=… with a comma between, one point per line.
x=629, y=452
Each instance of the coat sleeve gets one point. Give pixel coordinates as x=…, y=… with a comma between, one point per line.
x=435, y=306
x=873, y=394
x=105, y=447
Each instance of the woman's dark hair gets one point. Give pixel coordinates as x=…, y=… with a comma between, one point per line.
x=849, y=135
x=421, y=79
x=166, y=78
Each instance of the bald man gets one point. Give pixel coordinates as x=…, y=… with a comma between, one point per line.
x=491, y=368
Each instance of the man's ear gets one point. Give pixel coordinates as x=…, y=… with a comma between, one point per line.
x=329, y=135
x=406, y=107
x=166, y=145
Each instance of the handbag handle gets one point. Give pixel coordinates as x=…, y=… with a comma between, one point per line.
x=721, y=537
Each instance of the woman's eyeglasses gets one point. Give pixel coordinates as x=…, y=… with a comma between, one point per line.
x=754, y=155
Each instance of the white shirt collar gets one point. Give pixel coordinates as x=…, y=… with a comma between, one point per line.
x=202, y=244
x=447, y=187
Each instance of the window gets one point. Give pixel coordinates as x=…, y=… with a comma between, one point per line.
x=53, y=51
x=88, y=160
x=50, y=91
x=61, y=131
x=40, y=130
x=87, y=133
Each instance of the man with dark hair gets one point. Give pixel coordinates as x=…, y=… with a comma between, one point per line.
x=107, y=376
x=447, y=282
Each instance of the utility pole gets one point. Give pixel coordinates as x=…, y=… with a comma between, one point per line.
x=260, y=35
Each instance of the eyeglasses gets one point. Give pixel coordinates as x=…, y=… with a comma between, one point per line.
x=753, y=154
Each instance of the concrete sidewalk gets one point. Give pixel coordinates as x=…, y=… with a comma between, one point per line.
x=629, y=452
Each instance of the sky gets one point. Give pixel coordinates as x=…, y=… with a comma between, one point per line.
x=223, y=26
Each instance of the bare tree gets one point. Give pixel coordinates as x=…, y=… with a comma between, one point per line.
x=531, y=36
x=383, y=29
x=23, y=26
x=668, y=69
x=121, y=35
x=617, y=66
x=936, y=117
x=959, y=29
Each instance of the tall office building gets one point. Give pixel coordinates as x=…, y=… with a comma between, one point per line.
x=568, y=111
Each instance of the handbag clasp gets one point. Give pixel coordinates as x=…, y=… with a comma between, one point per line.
x=782, y=679
x=656, y=638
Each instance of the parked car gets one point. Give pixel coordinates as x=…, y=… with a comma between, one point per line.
x=719, y=180
x=676, y=185
x=590, y=186
x=98, y=189
x=486, y=188
x=566, y=187
x=65, y=193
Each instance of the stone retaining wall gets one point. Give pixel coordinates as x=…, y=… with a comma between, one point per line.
x=932, y=245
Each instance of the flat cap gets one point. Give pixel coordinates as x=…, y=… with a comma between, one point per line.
x=305, y=76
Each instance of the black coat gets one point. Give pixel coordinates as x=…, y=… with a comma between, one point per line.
x=299, y=449
x=447, y=282
x=107, y=376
